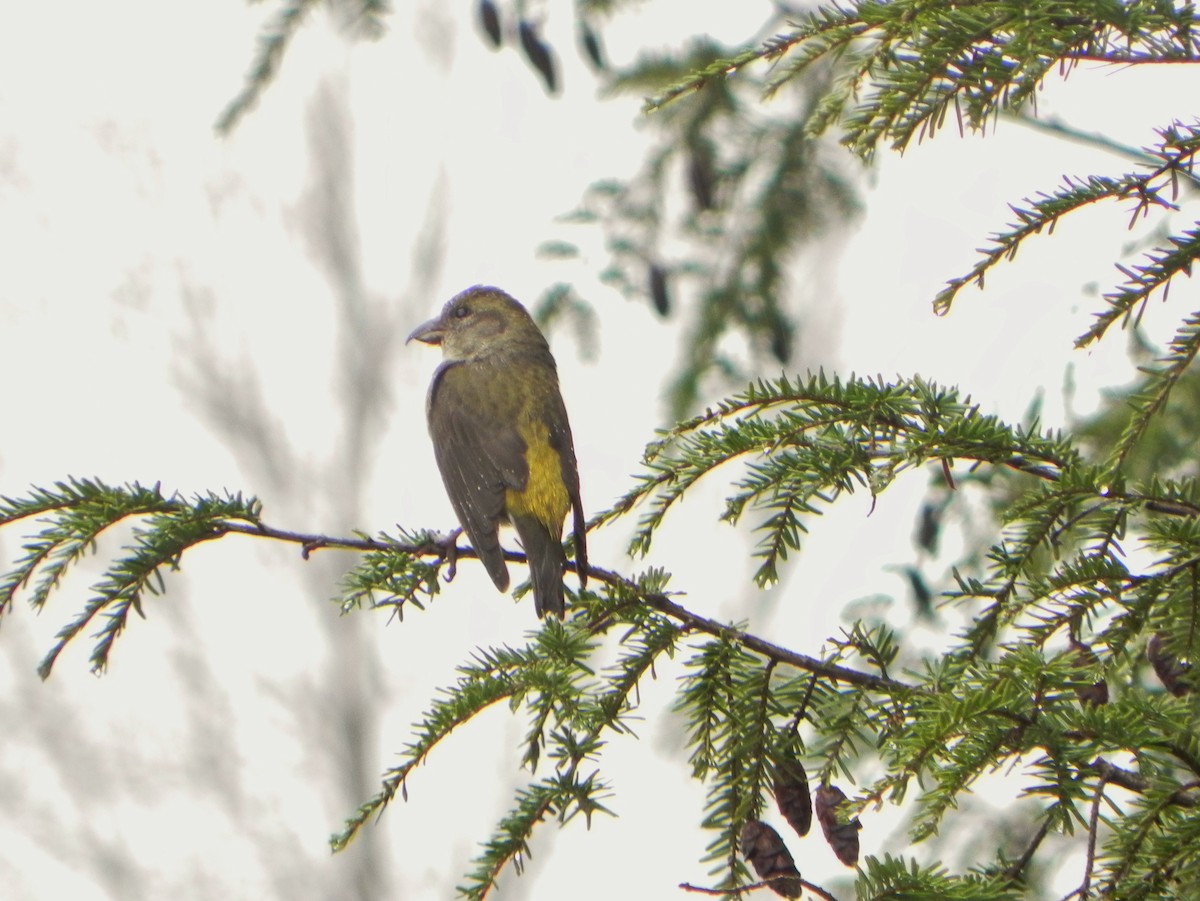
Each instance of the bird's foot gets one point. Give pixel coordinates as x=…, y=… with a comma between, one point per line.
x=447, y=548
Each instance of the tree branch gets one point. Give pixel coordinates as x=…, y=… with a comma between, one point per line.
x=1185, y=796
x=660, y=602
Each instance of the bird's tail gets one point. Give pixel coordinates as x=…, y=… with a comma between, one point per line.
x=547, y=563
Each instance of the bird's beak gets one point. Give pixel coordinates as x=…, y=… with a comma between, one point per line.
x=430, y=332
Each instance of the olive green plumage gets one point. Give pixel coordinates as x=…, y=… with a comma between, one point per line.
x=502, y=440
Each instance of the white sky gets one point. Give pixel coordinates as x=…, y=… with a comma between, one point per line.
x=131, y=235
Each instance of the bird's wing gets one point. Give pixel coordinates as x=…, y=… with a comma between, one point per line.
x=479, y=458
x=561, y=441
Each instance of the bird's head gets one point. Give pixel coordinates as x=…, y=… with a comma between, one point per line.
x=479, y=322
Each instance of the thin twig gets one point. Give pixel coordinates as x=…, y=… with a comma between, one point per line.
x=773, y=651
x=1017, y=867
x=746, y=889
x=1184, y=796
x=1093, y=828
x=1058, y=126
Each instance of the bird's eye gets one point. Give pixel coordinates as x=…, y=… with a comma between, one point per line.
x=462, y=312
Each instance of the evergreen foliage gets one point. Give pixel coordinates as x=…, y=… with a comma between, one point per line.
x=761, y=192
x=1096, y=554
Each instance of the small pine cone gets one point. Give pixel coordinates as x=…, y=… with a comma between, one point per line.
x=538, y=54
x=792, y=794
x=489, y=18
x=1169, y=668
x=660, y=294
x=1095, y=694
x=842, y=837
x=702, y=178
x=592, y=46
x=762, y=846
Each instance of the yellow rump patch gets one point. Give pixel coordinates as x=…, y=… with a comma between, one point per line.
x=545, y=496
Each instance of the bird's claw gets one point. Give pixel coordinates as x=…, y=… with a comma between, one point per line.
x=448, y=551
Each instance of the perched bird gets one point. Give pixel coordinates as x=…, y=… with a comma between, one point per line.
x=501, y=438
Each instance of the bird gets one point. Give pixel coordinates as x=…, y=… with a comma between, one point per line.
x=502, y=439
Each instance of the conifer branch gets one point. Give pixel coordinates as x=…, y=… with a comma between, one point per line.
x=917, y=61
x=1159, y=383
x=272, y=44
